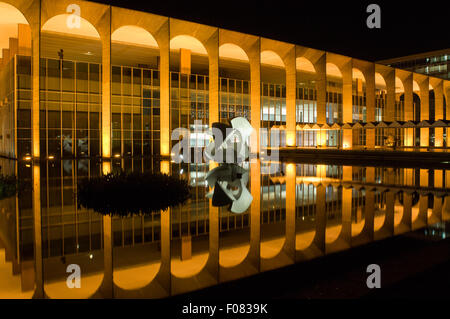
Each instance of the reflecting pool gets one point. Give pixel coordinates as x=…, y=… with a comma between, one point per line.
x=298, y=212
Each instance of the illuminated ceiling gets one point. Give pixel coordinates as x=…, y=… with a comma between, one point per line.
x=333, y=70
x=188, y=42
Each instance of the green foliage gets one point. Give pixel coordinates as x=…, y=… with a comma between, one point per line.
x=125, y=194
x=8, y=186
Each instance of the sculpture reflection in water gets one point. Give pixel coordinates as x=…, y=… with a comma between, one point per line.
x=229, y=147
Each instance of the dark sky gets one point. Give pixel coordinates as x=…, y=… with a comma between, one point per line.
x=407, y=27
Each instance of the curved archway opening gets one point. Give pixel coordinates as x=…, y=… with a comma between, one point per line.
x=415, y=206
x=417, y=101
x=359, y=106
x=71, y=234
x=380, y=210
x=70, y=125
x=385, y=136
x=334, y=103
x=135, y=92
x=398, y=208
x=70, y=88
x=234, y=79
x=234, y=101
x=135, y=112
x=358, y=211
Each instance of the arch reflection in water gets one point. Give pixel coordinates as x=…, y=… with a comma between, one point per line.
x=298, y=212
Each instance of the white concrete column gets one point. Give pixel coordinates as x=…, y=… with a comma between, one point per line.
x=254, y=56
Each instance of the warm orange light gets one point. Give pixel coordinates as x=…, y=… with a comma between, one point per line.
x=165, y=167
x=164, y=148
x=439, y=137
x=321, y=171
x=290, y=170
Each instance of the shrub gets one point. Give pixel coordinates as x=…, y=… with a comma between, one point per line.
x=125, y=194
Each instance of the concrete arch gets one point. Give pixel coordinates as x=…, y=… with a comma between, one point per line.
x=136, y=277
x=154, y=25
x=232, y=46
x=193, y=267
x=304, y=240
x=269, y=248
x=416, y=87
x=206, y=35
x=399, y=87
x=357, y=227
x=380, y=82
x=332, y=233
x=398, y=210
x=189, y=268
x=357, y=74
x=18, y=11
x=92, y=16
x=99, y=16
x=15, y=38
x=205, y=272
x=188, y=42
x=415, y=208
x=233, y=256
x=271, y=58
x=333, y=70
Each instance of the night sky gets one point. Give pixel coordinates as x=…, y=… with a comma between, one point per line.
x=407, y=27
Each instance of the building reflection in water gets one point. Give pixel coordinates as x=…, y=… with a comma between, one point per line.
x=298, y=212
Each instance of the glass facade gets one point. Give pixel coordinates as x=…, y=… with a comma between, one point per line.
x=273, y=113
x=306, y=112
x=234, y=99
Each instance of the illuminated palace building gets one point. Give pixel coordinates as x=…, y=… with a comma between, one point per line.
x=119, y=81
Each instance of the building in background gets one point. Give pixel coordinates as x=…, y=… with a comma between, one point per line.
x=433, y=63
